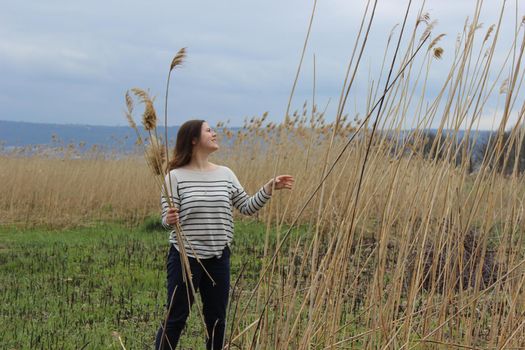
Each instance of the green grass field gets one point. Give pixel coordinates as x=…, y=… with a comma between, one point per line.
x=73, y=289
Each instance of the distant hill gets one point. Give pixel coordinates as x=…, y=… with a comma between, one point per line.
x=19, y=134
x=119, y=138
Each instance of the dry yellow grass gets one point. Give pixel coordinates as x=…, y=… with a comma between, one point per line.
x=63, y=192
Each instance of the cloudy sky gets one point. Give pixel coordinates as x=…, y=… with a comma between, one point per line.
x=72, y=61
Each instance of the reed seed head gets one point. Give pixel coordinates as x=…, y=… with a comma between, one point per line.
x=178, y=59
x=155, y=155
x=129, y=111
x=129, y=102
x=149, y=118
x=428, y=29
x=141, y=94
x=131, y=122
x=489, y=31
x=438, y=52
x=436, y=40
x=425, y=17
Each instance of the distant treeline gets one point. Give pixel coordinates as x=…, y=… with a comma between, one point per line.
x=504, y=152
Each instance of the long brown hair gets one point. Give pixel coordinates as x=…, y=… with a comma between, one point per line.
x=189, y=131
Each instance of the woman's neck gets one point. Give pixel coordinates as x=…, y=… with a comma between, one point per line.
x=199, y=161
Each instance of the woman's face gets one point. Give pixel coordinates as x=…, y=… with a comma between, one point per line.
x=208, y=139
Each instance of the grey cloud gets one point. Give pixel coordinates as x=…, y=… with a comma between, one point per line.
x=242, y=55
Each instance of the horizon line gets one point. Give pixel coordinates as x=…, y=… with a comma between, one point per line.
x=174, y=126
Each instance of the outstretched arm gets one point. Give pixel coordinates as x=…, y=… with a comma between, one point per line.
x=250, y=205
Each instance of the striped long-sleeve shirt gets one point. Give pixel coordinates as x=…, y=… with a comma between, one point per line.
x=205, y=200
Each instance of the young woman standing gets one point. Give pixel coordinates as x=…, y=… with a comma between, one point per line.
x=204, y=195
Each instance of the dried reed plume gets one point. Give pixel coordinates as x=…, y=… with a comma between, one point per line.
x=489, y=31
x=129, y=112
x=438, y=52
x=129, y=103
x=155, y=155
x=149, y=117
x=425, y=17
x=428, y=29
x=436, y=40
x=178, y=59
x=129, y=117
x=141, y=94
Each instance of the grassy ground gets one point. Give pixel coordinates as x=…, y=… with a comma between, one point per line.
x=72, y=289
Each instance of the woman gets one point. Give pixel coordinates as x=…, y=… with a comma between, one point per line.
x=204, y=195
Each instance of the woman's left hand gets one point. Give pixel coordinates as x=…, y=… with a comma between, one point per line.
x=281, y=182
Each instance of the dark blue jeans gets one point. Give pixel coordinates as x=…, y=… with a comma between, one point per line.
x=214, y=298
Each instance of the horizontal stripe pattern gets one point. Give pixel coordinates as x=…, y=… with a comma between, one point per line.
x=205, y=201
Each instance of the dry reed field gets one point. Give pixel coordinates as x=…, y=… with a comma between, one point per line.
x=389, y=240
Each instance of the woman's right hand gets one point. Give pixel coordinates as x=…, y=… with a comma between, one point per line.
x=172, y=217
